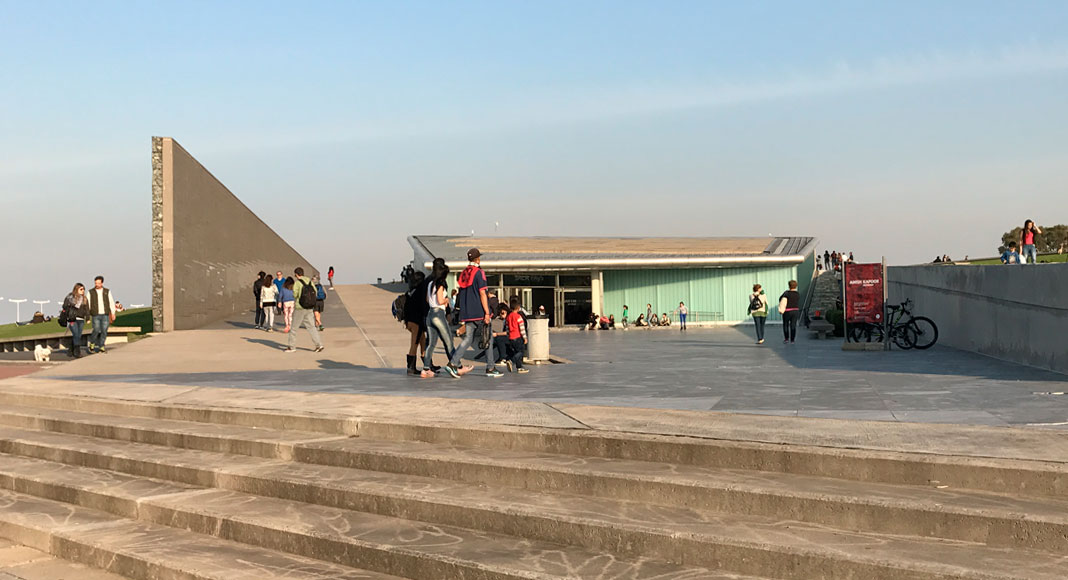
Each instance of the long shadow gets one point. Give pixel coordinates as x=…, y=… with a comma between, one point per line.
x=262, y=341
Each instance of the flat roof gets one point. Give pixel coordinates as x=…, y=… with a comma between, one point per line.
x=519, y=253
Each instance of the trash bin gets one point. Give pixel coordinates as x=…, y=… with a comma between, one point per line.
x=538, y=339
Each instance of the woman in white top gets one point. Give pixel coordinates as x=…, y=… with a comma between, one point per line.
x=437, y=327
x=268, y=298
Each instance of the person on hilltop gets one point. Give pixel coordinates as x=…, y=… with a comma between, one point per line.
x=416, y=309
x=257, y=294
x=76, y=309
x=1027, y=239
x=330, y=277
x=320, y=302
x=1009, y=256
x=790, y=308
x=437, y=326
x=758, y=309
x=302, y=312
x=268, y=301
x=475, y=313
x=102, y=308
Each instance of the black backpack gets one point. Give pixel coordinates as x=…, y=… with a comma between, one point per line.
x=308, y=296
x=63, y=317
x=755, y=303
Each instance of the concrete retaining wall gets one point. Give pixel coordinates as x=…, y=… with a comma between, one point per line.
x=207, y=246
x=1014, y=313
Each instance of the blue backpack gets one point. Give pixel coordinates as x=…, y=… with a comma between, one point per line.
x=321, y=295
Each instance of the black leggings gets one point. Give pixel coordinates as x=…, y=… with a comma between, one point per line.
x=789, y=324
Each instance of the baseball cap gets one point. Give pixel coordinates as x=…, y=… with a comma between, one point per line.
x=473, y=254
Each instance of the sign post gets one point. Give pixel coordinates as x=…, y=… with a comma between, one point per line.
x=865, y=295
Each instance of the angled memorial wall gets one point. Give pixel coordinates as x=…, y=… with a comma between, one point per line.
x=207, y=246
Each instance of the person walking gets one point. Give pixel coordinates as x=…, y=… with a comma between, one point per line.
x=287, y=298
x=268, y=301
x=474, y=312
x=415, y=312
x=301, y=311
x=320, y=302
x=1027, y=237
x=626, y=311
x=330, y=277
x=683, y=311
x=102, y=308
x=437, y=326
x=758, y=309
x=257, y=294
x=790, y=308
x=649, y=316
x=517, y=337
x=76, y=305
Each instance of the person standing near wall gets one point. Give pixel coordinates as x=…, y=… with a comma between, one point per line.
x=286, y=298
x=268, y=300
x=790, y=308
x=76, y=305
x=279, y=281
x=1027, y=237
x=257, y=287
x=302, y=313
x=683, y=311
x=626, y=311
x=102, y=308
x=758, y=309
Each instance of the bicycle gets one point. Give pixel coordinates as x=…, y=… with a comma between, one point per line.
x=917, y=332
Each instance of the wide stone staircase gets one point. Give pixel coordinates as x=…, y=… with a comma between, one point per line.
x=158, y=491
x=827, y=289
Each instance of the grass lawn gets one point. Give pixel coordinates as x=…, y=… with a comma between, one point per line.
x=1042, y=259
x=139, y=317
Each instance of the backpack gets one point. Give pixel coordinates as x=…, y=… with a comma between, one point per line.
x=398, y=306
x=307, y=296
x=63, y=316
x=755, y=303
x=320, y=293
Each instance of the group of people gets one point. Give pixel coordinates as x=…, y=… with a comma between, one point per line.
x=647, y=320
x=499, y=328
x=286, y=297
x=1027, y=246
x=789, y=307
x=833, y=260
x=96, y=306
x=943, y=259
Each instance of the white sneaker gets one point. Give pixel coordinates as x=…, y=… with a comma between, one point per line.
x=290, y=350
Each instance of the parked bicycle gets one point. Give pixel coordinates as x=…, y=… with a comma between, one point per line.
x=917, y=332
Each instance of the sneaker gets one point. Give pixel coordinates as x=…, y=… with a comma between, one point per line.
x=290, y=350
x=321, y=327
x=270, y=330
x=319, y=348
x=102, y=350
x=453, y=372
x=511, y=366
x=435, y=369
x=761, y=341
x=785, y=341
x=494, y=373
x=522, y=370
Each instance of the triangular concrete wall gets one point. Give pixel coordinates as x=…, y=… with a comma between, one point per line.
x=207, y=246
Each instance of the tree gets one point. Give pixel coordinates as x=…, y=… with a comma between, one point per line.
x=1052, y=238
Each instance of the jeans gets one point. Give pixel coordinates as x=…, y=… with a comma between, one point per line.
x=474, y=330
x=759, y=322
x=100, y=330
x=76, y=327
x=260, y=314
x=1029, y=250
x=516, y=348
x=682, y=320
x=303, y=316
x=789, y=324
x=437, y=327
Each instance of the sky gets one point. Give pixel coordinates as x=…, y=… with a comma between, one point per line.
x=901, y=129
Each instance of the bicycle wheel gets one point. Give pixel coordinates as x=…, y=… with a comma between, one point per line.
x=904, y=337
x=860, y=332
x=925, y=330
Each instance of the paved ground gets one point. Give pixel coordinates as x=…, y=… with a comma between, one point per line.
x=709, y=369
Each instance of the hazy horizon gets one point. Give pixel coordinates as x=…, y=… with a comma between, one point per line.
x=908, y=130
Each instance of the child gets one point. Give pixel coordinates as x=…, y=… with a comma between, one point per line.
x=1010, y=256
x=288, y=302
x=517, y=338
x=499, y=328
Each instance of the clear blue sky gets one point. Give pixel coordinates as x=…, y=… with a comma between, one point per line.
x=905, y=129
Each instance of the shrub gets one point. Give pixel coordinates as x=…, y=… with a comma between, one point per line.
x=837, y=318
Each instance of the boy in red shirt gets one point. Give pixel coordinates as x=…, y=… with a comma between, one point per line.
x=517, y=338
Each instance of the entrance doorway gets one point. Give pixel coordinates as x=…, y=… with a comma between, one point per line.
x=575, y=306
x=544, y=297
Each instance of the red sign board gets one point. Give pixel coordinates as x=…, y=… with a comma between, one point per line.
x=864, y=293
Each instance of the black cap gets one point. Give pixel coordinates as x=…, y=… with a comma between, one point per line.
x=473, y=254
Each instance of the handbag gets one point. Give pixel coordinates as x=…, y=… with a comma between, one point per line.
x=486, y=337
x=782, y=304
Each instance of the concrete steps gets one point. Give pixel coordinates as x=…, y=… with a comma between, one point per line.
x=438, y=501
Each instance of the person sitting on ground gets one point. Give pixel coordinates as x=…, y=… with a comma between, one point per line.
x=640, y=321
x=654, y=320
x=119, y=307
x=603, y=322
x=665, y=320
x=611, y=321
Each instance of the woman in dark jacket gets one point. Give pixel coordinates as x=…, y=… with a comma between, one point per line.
x=77, y=306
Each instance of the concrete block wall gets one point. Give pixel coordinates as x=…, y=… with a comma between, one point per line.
x=1014, y=313
x=207, y=246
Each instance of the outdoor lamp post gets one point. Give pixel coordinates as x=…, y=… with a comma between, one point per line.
x=18, y=310
x=40, y=305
